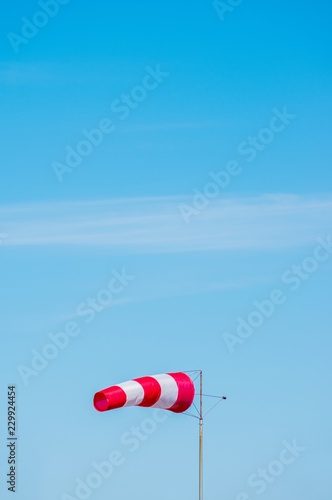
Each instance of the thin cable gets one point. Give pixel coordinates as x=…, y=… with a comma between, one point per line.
x=196, y=408
x=190, y=415
x=211, y=396
x=213, y=407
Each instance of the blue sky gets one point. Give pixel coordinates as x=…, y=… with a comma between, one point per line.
x=202, y=231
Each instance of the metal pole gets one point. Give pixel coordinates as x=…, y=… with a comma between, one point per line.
x=201, y=437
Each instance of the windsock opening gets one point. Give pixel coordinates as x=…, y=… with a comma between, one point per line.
x=110, y=398
x=100, y=402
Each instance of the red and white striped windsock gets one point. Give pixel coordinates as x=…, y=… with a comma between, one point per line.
x=170, y=391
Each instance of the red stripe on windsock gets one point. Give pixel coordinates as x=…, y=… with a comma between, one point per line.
x=152, y=390
x=186, y=393
x=110, y=398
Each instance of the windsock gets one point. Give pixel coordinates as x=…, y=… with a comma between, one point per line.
x=169, y=391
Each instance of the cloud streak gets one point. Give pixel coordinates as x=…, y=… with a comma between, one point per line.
x=154, y=225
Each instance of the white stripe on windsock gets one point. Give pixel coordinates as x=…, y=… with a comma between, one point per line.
x=134, y=392
x=169, y=391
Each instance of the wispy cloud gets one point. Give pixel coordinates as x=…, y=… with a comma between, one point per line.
x=43, y=73
x=168, y=126
x=24, y=73
x=154, y=225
